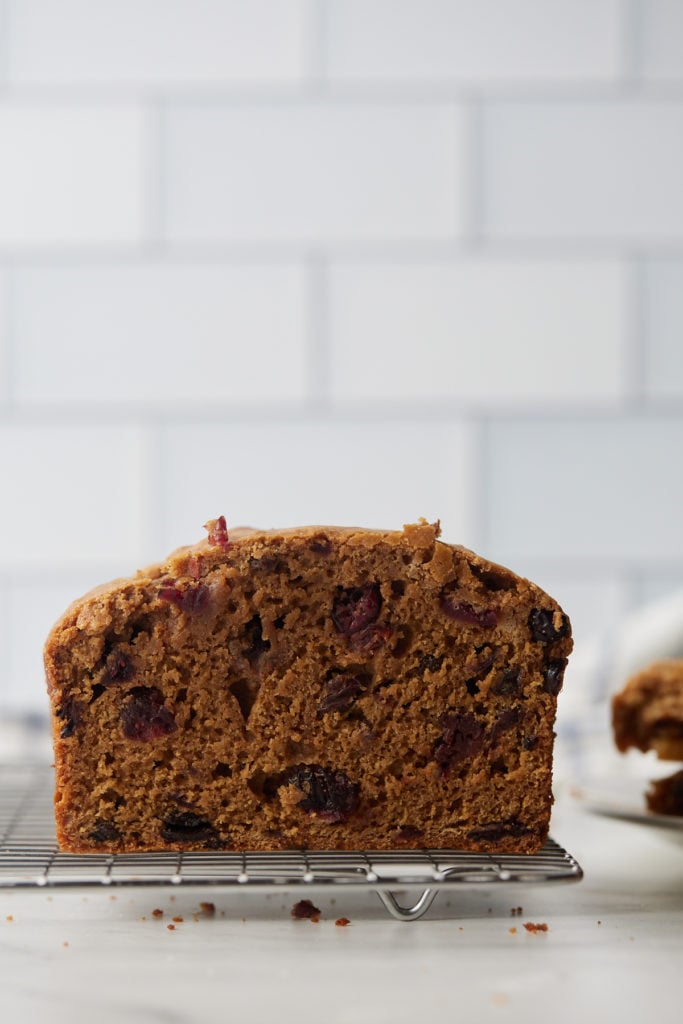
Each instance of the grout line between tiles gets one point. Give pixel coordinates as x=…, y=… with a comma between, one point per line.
x=555, y=249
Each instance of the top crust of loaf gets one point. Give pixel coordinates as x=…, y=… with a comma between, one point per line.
x=197, y=560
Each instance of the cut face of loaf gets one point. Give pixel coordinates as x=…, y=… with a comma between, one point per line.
x=322, y=688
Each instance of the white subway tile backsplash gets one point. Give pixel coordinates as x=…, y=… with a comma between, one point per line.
x=481, y=332
x=313, y=172
x=602, y=169
x=74, y=495
x=663, y=327
x=472, y=40
x=339, y=260
x=157, y=42
x=595, y=488
x=660, y=44
x=71, y=175
x=160, y=335
x=355, y=472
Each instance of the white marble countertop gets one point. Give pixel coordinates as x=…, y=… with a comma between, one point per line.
x=614, y=946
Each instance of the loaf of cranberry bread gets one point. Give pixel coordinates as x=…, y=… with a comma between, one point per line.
x=321, y=688
x=648, y=712
x=665, y=796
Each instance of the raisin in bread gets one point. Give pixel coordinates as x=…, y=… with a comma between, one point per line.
x=327, y=688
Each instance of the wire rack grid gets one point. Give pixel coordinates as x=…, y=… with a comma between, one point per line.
x=30, y=858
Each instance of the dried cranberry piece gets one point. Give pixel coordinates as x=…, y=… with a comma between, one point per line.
x=119, y=668
x=463, y=737
x=492, y=831
x=341, y=691
x=104, y=832
x=70, y=714
x=462, y=611
x=369, y=640
x=328, y=793
x=505, y=721
x=218, y=533
x=189, y=597
x=542, y=625
x=194, y=567
x=553, y=676
x=481, y=661
x=144, y=716
x=186, y=827
x=508, y=685
x=356, y=608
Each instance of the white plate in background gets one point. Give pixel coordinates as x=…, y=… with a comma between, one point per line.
x=625, y=799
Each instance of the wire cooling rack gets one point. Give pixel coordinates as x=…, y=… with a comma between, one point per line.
x=30, y=857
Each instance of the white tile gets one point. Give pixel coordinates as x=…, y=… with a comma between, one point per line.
x=663, y=326
x=472, y=40
x=160, y=335
x=595, y=602
x=5, y=637
x=601, y=169
x=481, y=332
x=73, y=495
x=659, y=586
x=660, y=40
x=4, y=337
x=71, y=175
x=585, y=489
x=278, y=474
x=313, y=171
x=159, y=42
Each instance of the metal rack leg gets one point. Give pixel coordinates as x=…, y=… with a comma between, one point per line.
x=402, y=913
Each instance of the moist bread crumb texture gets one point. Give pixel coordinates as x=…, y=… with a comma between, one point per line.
x=647, y=714
x=321, y=688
